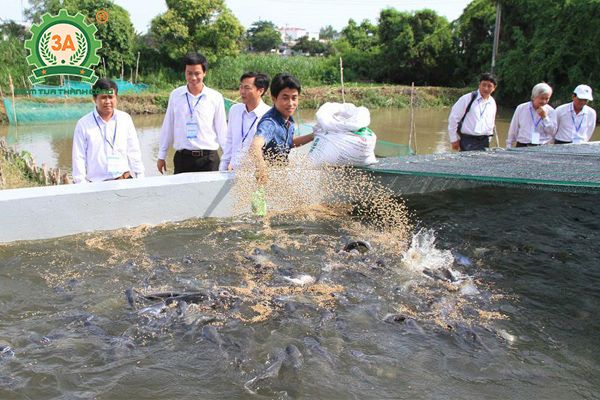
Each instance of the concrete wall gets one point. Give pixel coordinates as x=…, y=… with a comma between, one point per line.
x=54, y=211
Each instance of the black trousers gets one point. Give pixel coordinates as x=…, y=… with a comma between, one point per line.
x=556, y=141
x=472, y=143
x=196, y=161
x=519, y=144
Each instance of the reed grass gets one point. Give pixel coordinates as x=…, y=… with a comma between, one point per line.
x=310, y=71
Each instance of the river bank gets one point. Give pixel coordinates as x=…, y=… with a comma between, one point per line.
x=370, y=96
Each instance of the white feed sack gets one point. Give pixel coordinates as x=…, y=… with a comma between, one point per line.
x=342, y=136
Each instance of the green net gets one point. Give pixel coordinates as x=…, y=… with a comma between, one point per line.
x=566, y=166
x=82, y=89
x=55, y=109
x=228, y=104
x=384, y=149
x=29, y=111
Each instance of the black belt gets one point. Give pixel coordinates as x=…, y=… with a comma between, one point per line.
x=477, y=137
x=195, y=153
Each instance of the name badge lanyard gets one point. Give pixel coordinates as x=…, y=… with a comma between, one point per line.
x=535, y=124
x=287, y=126
x=244, y=136
x=187, y=98
x=577, y=128
x=103, y=131
x=483, y=111
x=479, y=124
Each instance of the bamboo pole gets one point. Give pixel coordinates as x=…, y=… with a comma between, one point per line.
x=25, y=86
x=412, y=137
x=12, y=95
x=137, y=64
x=342, y=80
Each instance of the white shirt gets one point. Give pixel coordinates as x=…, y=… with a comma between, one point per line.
x=241, y=128
x=576, y=128
x=105, y=150
x=526, y=121
x=479, y=121
x=208, y=112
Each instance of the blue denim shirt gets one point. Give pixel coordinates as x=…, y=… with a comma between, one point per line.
x=278, y=138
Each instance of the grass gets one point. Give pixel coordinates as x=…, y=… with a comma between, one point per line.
x=13, y=176
x=310, y=71
x=372, y=96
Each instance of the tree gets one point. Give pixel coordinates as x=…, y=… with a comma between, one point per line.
x=40, y=7
x=474, y=36
x=311, y=46
x=362, y=37
x=263, y=36
x=11, y=29
x=417, y=46
x=207, y=26
x=328, y=33
x=550, y=44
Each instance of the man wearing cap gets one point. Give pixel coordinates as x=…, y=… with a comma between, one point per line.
x=576, y=121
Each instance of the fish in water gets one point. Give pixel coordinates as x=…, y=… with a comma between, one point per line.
x=290, y=357
x=360, y=246
x=278, y=250
x=172, y=297
x=461, y=259
x=131, y=297
x=6, y=351
x=182, y=307
x=302, y=280
x=210, y=333
x=294, y=357
x=181, y=299
x=314, y=347
x=154, y=310
x=444, y=274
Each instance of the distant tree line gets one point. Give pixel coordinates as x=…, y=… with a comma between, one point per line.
x=553, y=42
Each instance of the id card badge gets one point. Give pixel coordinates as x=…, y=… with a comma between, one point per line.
x=479, y=126
x=114, y=164
x=191, y=130
x=535, y=137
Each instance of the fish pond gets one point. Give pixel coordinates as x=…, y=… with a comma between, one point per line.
x=490, y=293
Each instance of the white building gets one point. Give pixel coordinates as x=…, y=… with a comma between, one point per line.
x=292, y=34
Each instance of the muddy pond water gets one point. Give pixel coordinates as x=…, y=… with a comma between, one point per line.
x=492, y=293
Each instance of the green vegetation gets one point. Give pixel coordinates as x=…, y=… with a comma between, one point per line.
x=263, y=36
x=13, y=171
x=372, y=96
x=196, y=25
x=311, y=71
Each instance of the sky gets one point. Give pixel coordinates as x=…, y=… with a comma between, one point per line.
x=307, y=14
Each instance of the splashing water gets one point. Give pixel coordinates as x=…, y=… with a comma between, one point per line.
x=423, y=254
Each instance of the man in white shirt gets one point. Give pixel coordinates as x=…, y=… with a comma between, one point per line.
x=243, y=119
x=473, y=117
x=195, y=122
x=576, y=121
x=105, y=143
x=534, y=122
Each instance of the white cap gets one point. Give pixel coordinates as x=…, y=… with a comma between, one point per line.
x=583, y=92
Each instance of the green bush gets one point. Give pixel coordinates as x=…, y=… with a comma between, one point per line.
x=311, y=71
